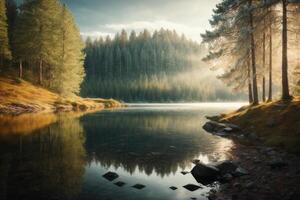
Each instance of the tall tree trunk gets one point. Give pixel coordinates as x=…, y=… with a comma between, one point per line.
x=1, y=61
x=270, y=98
x=285, y=80
x=249, y=82
x=264, y=65
x=253, y=60
x=20, y=69
x=41, y=72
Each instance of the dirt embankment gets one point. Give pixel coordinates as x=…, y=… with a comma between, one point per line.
x=19, y=96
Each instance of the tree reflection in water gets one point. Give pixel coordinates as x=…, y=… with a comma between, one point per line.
x=47, y=164
x=149, y=142
x=45, y=156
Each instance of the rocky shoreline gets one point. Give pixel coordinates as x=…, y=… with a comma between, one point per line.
x=273, y=173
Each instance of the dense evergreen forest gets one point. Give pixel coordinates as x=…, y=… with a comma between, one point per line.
x=41, y=38
x=256, y=43
x=158, y=66
x=39, y=41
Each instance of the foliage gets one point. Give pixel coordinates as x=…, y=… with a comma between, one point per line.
x=70, y=72
x=148, y=67
x=5, y=52
x=250, y=33
x=46, y=38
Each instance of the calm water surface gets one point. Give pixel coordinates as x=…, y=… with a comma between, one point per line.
x=47, y=156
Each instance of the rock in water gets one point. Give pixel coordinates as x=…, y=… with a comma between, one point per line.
x=196, y=161
x=138, y=186
x=226, y=167
x=173, y=188
x=184, y=173
x=111, y=176
x=213, y=126
x=120, y=184
x=191, y=187
x=205, y=174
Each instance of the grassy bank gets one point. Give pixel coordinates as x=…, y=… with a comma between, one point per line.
x=277, y=123
x=19, y=96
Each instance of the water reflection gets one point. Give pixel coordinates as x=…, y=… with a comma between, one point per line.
x=64, y=156
x=48, y=164
x=25, y=124
x=149, y=142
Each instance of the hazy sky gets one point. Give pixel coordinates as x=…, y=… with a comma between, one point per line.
x=102, y=17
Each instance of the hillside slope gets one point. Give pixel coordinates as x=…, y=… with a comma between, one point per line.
x=19, y=96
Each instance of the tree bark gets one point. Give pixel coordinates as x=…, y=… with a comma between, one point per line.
x=1, y=61
x=253, y=60
x=20, y=69
x=285, y=81
x=249, y=82
x=270, y=98
x=264, y=65
x=41, y=72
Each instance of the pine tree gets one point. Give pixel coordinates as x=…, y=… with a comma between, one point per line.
x=12, y=15
x=232, y=45
x=284, y=66
x=69, y=73
x=21, y=40
x=296, y=30
x=40, y=18
x=5, y=52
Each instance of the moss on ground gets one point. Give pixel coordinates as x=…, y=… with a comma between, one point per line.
x=278, y=123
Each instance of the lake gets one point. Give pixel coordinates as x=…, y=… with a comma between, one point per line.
x=64, y=156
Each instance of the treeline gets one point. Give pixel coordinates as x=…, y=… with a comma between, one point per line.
x=144, y=67
x=256, y=43
x=42, y=39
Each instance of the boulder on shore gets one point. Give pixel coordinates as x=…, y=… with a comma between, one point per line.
x=205, y=174
x=213, y=127
x=224, y=128
x=226, y=167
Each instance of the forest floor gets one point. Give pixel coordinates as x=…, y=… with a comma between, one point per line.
x=277, y=123
x=268, y=149
x=18, y=96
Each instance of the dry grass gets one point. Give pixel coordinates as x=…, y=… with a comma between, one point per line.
x=277, y=122
x=19, y=96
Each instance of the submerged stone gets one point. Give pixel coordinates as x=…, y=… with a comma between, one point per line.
x=184, y=173
x=139, y=186
x=196, y=161
x=192, y=187
x=120, y=184
x=110, y=176
x=173, y=188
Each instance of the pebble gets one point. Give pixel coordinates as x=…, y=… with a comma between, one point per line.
x=249, y=185
x=237, y=185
